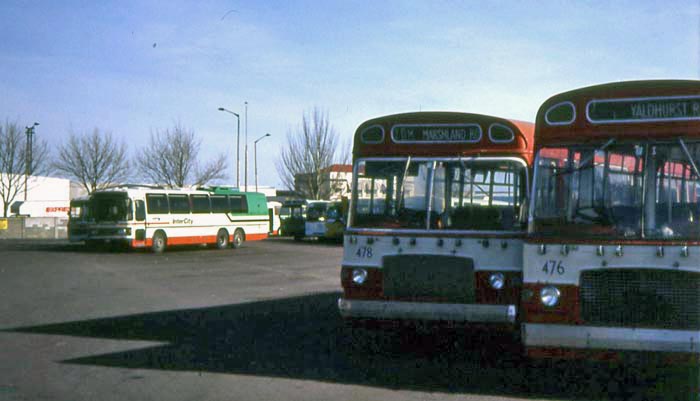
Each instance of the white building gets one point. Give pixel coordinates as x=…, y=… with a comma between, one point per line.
x=45, y=197
x=336, y=182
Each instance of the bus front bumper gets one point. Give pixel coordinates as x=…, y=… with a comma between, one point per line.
x=350, y=308
x=610, y=338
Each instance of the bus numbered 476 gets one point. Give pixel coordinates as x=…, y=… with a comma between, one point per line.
x=435, y=231
x=146, y=217
x=612, y=259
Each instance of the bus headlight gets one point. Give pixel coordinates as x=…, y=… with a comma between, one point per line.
x=549, y=296
x=359, y=276
x=497, y=281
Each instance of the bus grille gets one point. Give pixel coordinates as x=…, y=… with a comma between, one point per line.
x=664, y=299
x=432, y=278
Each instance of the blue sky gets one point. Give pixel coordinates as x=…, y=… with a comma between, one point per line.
x=75, y=65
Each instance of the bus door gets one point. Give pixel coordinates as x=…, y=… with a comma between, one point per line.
x=139, y=225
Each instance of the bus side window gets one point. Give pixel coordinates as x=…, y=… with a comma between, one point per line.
x=179, y=204
x=200, y=204
x=157, y=203
x=238, y=204
x=219, y=204
x=140, y=210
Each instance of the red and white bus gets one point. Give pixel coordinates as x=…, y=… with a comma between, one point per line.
x=435, y=230
x=142, y=217
x=612, y=260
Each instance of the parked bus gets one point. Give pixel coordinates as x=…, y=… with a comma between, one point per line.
x=273, y=211
x=293, y=219
x=157, y=218
x=435, y=230
x=611, y=263
x=78, y=219
x=315, y=225
x=336, y=220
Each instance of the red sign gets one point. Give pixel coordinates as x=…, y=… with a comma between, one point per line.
x=54, y=209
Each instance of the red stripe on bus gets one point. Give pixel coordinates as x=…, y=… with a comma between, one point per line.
x=255, y=237
x=193, y=240
x=659, y=358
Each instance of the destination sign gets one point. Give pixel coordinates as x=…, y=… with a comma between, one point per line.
x=448, y=133
x=643, y=110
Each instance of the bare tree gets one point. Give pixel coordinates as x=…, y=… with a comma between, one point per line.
x=95, y=160
x=170, y=158
x=309, y=153
x=14, y=162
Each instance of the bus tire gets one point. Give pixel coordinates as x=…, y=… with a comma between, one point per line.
x=238, y=238
x=222, y=239
x=160, y=242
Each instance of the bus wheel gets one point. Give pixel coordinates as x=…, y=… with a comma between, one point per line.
x=159, y=242
x=237, y=238
x=222, y=239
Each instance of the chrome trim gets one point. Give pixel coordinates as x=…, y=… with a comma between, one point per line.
x=427, y=311
x=443, y=125
x=362, y=138
x=546, y=113
x=641, y=120
x=610, y=338
x=409, y=231
x=512, y=133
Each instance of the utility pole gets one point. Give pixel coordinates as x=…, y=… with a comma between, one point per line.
x=238, y=146
x=28, y=156
x=255, y=154
x=245, y=168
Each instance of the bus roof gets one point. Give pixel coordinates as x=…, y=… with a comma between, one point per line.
x=443, y=134
x=632, y=109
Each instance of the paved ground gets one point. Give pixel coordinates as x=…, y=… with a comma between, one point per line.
x=258, y=323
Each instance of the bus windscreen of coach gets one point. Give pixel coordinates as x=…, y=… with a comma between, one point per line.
x=468, y=194
x=619, y=190
x=111, y=206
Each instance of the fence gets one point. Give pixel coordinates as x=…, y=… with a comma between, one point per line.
x=34, y=228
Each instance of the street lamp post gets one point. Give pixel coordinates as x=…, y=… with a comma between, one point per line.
x=238, y=146
x=255, y=154
x=28, y=156
x=245, y=157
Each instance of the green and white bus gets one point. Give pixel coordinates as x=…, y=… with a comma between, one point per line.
x=142, y=217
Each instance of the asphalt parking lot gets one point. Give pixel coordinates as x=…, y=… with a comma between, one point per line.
x=256, y=323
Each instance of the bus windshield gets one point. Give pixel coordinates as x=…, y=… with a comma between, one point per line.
x=110, y=206
x=316, y=211
x=644, y=189
x=468, y=194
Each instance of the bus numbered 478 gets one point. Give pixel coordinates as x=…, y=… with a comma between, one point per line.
x=612, y=259
x=435, y=231
x=145, y=217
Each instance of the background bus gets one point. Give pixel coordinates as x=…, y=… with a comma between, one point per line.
x=611, y=262
x=149, y=217
x=78, y=219
x=434, y=229
x=273, y=210
x=315, y=224
x=293, y=219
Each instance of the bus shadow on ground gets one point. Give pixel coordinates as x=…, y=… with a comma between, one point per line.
x=304, y=338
